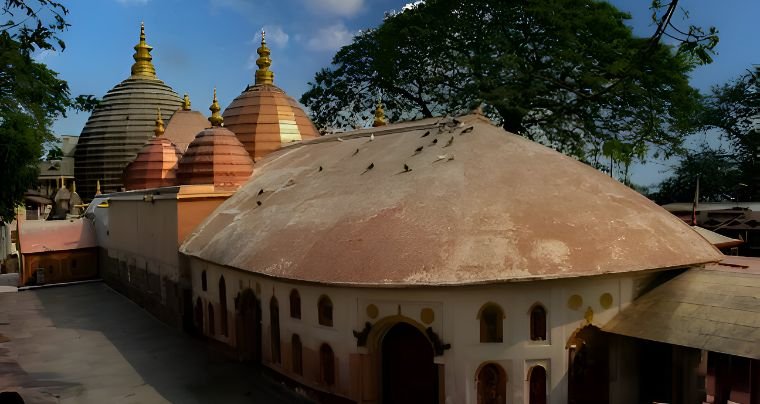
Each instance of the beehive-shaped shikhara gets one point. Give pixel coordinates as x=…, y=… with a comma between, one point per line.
x=121, y=124
x=156, y=163
x=215, y=157
x=264, y=117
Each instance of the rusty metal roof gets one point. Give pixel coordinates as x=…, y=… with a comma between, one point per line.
x=474, y=204
x=715, y=308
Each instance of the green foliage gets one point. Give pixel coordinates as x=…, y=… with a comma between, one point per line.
x=31, y=95
x=567, y=73
x=54, y=153
x=720, y=178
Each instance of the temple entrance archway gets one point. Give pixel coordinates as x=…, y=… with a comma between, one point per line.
x=408, y=373
x=249, y=327
x=588, y=366
x=492, y=384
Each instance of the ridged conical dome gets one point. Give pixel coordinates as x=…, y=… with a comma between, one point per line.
x=156, y=163
x=216, y=157
x=121, y=124
x=264, y=117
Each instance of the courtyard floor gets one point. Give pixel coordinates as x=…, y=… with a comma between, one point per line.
x=88, y=344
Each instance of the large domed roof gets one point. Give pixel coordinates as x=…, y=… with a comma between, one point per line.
x=121, y=124
x=215, y=157
x=264, y=117
x=460, y=205
x=156, y=163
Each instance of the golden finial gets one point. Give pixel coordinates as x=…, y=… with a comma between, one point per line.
x=143, y=65
x=159, y=130
x=379, y=115
x=264, y=75
x=97, y=188
x=215, y=118
x=186, y=103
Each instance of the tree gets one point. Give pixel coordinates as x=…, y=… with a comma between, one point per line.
x=567, y=73
x=31, y=95
x=718, y=173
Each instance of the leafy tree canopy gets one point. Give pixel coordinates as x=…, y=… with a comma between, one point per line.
x=567, y=73
x=31, y=95
x=720, y=178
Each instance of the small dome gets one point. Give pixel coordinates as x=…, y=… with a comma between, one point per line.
x=264, y=117
x=156, y=163
x=121, y=124
x=215, y=157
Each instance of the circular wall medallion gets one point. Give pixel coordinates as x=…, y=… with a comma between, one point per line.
x=427, y=315
x=372, y=311
x=605, y=300
x=575, y=302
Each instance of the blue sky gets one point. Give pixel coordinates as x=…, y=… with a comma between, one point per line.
x=199, y=44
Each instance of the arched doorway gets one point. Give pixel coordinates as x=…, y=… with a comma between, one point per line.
x=537, y=385
x=408, y=372
x=492, y=384
x=249, y=327
x=588, y=367
x=274, y=323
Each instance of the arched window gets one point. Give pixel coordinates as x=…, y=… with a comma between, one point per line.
x=491, y=323
x=211, y=319
x=223, y=305
x=538, y=323
x=296, y=354
x=537, y=383
x=199, y=315
x=204, y=282
x=274, y=322
x=492, y=384
x=325, y=309
x=327, y=364
x=295, y=304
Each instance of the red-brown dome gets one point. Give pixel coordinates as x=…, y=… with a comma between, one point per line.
x=215, y=157
x=155, y=164
x=264, y=117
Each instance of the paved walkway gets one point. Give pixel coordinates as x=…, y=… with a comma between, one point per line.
x=88, y=344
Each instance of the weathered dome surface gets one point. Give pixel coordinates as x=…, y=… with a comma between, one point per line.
x=217, y=158
x=264, y=117
x=121, y=124
x=155, y=165
x=488, y=207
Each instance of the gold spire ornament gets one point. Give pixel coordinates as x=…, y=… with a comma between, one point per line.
x=379, y=115
x=159, y=130
x=143, y=65
x=186, y=103
x=215, y=118
x=263, y=74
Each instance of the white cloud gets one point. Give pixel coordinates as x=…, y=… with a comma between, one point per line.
x=275, y=36
x=330, y=38
x=43, y=55
x=132, y=2
x=345, y=8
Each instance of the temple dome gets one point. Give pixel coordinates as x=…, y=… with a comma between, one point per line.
x=185, y=124
x=121, y=124
x=215, y=157
x=155, y=165
x=438, y=202
x=264, y=117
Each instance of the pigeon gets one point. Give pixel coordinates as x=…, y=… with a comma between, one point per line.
x=369, y=167
x=441, y=157
x=371, y=137
x=467, y=130
x=449, y=142
x=434, y=141
x=356, y=152
x=426, y=133
x=340, y=140
x=406, y=168
x=258, y=203
x=320, y=169
x=418, y=150
x=456, y=121
x=261, y=191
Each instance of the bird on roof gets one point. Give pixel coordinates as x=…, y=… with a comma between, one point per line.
x=418, y=150
x=434, y=141
x=467, y=130
x=356, y=152
x=449, y=142
x=261, y=191
x=371, y=137
x=369, y=167
x=258, y=203
x=340, y=140
x=320, y=169
x=425, y=134
x=406, y=168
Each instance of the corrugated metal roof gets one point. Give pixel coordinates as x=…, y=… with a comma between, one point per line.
x=475, y=204
x=716, y=309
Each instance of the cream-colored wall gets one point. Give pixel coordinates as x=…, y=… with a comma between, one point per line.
x=456, y=322
x=145, y=234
